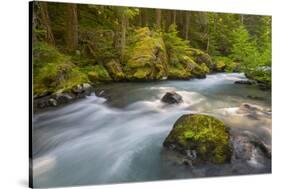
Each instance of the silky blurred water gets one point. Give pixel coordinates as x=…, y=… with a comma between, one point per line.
x=118, y=137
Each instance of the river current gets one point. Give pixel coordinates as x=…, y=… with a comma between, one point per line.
x=116, y=134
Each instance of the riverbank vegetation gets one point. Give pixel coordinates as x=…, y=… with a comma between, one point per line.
x=78, y=43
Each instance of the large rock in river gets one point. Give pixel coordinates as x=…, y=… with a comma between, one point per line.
x=200, y=138
x=172, y=98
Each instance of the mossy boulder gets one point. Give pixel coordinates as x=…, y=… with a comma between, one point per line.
x=99, y=74
x=225, y=64
x=232, y=67
x=203, y=135
x=201, y=57
x=53, y=71
x=146, y=57
x=115, y=70
x=186, y=68
x=205, y=68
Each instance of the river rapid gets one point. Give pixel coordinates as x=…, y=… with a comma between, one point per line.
x=116, y=134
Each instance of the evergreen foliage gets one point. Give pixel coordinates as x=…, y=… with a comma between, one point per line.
x=144, y=44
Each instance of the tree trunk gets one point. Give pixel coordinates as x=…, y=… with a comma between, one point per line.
x=34, y=24
x=215, y=22
x=158, y=18
x=72, y=27
x=242, y=19
x=174, y=17
x=187, y=21
x=144, y=17
x=124, y=22
x=43, y=9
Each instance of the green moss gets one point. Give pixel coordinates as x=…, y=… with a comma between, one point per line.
x=205, y=134
x=225, y=64
x=146, y=50
x=188, y=134
x=263, y=77
x=205, y=68
x=53, y=71
x=44, y=53
x=115, y=70
x=99, y=74
x=200, y=57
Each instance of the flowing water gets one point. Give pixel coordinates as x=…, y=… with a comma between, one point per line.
x=118, y=137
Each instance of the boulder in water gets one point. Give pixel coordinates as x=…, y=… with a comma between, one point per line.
x=249, y=148
x=254, y=111
x=53, y=102
x=172, y=98
x=200, y=138
x=63, y=98
x=245, y=82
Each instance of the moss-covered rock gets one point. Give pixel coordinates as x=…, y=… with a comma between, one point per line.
x=115, y=70
x=205, y=68
x=53, y=71
x=225, y=64
x=99, y=74
x=201, y=57
x=146, y=57
x=204, y=135
x=186, y=68
x=262, y=76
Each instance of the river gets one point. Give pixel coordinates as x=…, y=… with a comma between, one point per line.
x=118, y=136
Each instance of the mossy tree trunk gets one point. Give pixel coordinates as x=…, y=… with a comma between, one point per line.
x=45, y=19
x=72, y=27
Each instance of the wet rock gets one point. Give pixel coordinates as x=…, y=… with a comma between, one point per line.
x=249, y=148
x=264, y=86
x=63, y=98
x=255, y=97
x=253, y=111
x=53, y=102
x=87, y=88
x=77, y=89
x=245, y=82
x=199, y=138
x=172, y=98
x=250, y=107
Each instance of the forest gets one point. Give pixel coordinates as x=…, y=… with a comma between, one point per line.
x=78, y=43
x=125, y=94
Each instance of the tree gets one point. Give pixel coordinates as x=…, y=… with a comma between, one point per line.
x=186, y=26
x=158, y=18
x=45, y=20
x=72, y=27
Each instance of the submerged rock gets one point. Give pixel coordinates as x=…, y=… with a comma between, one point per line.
x=245, y=82
x=200, y=138
x=249, y=148
x=253, y=111
x=172, y=98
